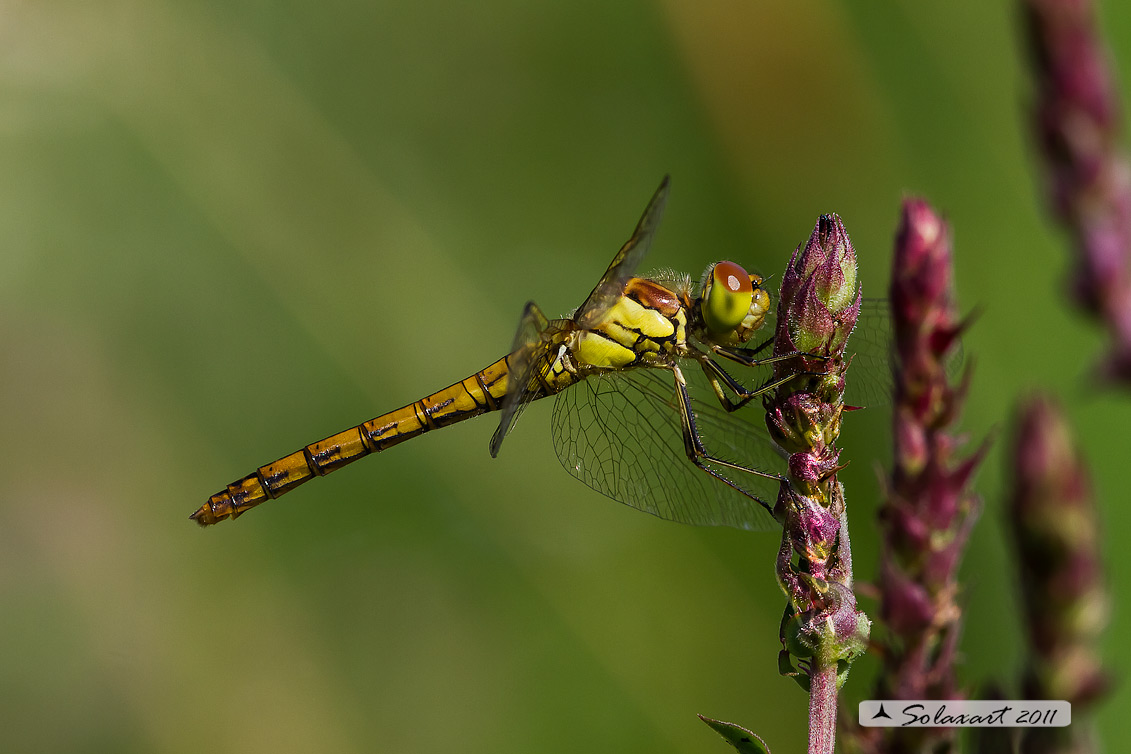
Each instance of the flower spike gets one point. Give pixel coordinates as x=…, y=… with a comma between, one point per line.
x=822, y=629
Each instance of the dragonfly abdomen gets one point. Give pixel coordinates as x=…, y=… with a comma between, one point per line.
x=478, y=394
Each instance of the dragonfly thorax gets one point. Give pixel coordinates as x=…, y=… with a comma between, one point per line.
x=646, y=324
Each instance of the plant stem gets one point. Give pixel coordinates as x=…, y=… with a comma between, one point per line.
x=822, y=707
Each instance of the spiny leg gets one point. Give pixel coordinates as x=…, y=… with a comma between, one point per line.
x=697, y=452
x=749, y=356
x=718, y=377
x=745, y=355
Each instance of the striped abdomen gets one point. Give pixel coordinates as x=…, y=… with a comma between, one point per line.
x=481, y=392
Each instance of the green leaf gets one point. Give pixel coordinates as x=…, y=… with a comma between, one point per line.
x=738, y=737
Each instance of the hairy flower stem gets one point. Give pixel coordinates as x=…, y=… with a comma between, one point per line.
x=821, y=628
x=822, y=707
x=1077, y=123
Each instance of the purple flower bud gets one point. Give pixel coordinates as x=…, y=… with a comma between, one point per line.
x=908, y=608
x=1053, y=518
x=1077, y=123
x=819, y=301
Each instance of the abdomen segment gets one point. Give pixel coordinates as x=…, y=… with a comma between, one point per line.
x=481, y=392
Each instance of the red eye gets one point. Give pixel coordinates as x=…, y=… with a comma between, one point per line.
x=732, y=277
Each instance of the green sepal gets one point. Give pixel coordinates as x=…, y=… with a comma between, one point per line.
x=842, y=668
x=844, y=651
x=741, y=739
x=794, y=641
x=785, y=668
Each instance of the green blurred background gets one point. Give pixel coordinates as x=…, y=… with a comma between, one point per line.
x=231, y=228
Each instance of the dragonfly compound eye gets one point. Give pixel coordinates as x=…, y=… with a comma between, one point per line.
x=727, y=294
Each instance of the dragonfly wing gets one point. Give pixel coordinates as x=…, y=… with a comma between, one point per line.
x=528, y=354
x=869, y=380
x=624, y=264
x=620, y=434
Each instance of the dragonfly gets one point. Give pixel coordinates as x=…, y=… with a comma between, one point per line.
x=642, y=405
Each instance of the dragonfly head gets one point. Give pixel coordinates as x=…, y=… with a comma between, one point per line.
x=732, y=303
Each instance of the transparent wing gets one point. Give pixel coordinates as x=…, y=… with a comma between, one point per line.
x=529, y=352
x=624, y=264
x=620, y=434
x=869, y=381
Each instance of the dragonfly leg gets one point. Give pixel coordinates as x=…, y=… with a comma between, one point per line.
x=718, y=377
x=749, y=356
x=697, y=452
